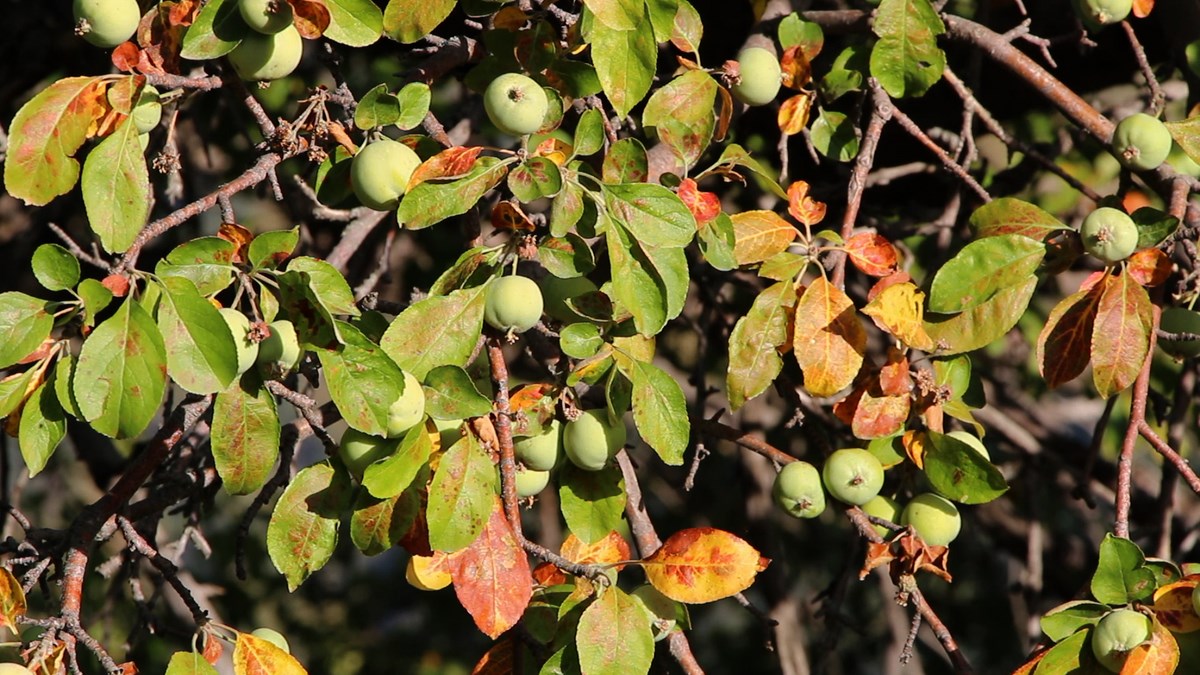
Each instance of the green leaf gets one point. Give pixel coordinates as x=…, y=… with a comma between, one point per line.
x=592, y=501
x=389, y=477
x=315, y=326
x=303, y=531
x=535, y=178
x=651, y=283
x=269, y=249
x=625, y=60
x=659, y=410
x=363, y=381
x=245, y=435
x=626, y=162
x=116, y=188
x=614, y=636
x=95, y=297
x=1066, y=619
x=958, y=472
x=13, y=390
x=981, y=325
x=566, y=257
x=907, y=60
x=718, y=241
x=982, y=269
x=580, y=340
x=122, y=373
x=1009, y=216
x=414, y=100
x=735, y=155
x=217, y=29
x=355, y=23
x=201, y=354
x=407, y=21
x=25, y=321
x=377, y=108
x=794, y=30
x=1121, y=574
x=1154, y=226
x=327, y=284
x=617, y=14
x=43, y=425
x=835, y=136
x=1070, y=657
x=377, y=525
x=848, y=71
x=207, y=261
x=189, y=663
x=474, y=267
x=432, y=202
x=54, y=267
x=754, y=359
x=589, y=133
x=461, y=496
x=654, y=215
x=450, y=394
x=682, y=112
x=436, y=331
x=1187, y=135
x=44, y=136
x=64, y=374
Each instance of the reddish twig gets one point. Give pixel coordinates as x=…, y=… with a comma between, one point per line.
x=748, y=441
x=1169, y=454
x=881, y=112
x=1137, y=418
x=943, y=635
x=502, y=420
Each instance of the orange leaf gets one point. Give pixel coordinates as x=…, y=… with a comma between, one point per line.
x=429, y=572
x=1121, y=335
x=879, y=415
x=705, y=206
x=828, y=339
x=894, y=378
x=1064, y=346
x=802, y=207
x=256, y=656
x=239, y=237
x=899, y=310
x=499, y=659
x=213, y=647
x=612, y=548
x=797, y=71
x=703, y=564
x=546, y=574
x=1158, y=656
x=1149, y=267
x=794, y=113
x=12, y=600
x=554, y=149
x=758, y=235
x=508, y=216
x=1173, y=607
x=872, y=254
x=311, y=17
x=491, y=576
x=448, y=163
x=1142, y=8
x=915, y=445
x=117, y=284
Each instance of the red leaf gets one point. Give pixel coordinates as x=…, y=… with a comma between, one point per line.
x=1173, y=607
x=452, y=162
x=311, y=17
x=1121, y=335
x=878, y=415
x=508, y=216
x=1064, y=346
x=872, y=254
x=705, y=206
x=1149, y=267
x=117, y=284
x=802, y=207
x=894, y=378
x=491, y=576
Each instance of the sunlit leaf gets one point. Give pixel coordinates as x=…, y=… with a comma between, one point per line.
x=828, y=338
x=703, y=564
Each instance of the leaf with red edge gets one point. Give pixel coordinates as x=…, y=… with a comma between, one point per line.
x=611, y=549
x=450, y=163
x=703, y=564
x=1121, y=334
x=311, y=17
x=894, y=378
x=255, y=656
x=803, y=207
x=12, y=600
x=1158, y=656
x=1173, y=606
x=705, y=206
x=794, y=114
x=758, y=235
x=797, y=71
x=491, y=576
x=828, y=339
x=1149, y=266
x=872, y=254
x=237, y=235
x=1064, y=345
x=879, y=415
x=1142, y=8
x=899, y=310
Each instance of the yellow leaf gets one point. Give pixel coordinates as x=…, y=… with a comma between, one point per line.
x=899, y=310
x=611, y=549
x=703, y=564
x=758, y=235
x=428, y=573
x=828, y=340
x=256, y=656
x=1173, y=606
x=12, y=600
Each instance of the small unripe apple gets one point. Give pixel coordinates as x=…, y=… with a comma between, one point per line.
x=590, y=440
x=408, y=410
x=1109, y=234
x=147, y=112
x=1097, y=13
x=798, y=491
x=268, y=57
x=970, y=439
x=515, y=104
x=540, y=452
x=514, y=304
x=884, y=507
x=1180, y=320
x=556, y=292
x=853, y=476
x=109, y=22
x=359, y=450
x=274, y=637
x=761, y=76
x=1142, y=142
x=531, y=482
x=380, y=171
x=659, y=608
x=14, y=669
x=1116, y=634
x=266, y=16
x=239, y=327
x=934, y=517
x=280, y=351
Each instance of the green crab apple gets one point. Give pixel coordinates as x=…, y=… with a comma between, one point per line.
x=590, y=440
x=281, y=349
x=556, y=292
x=1098, y=13
x=971, y=440
x=239, y=327
x=380, y=171
x=760, y=76
x=515, y=104
x=1180, y=320
x=1116, y=634
x=884, y=507
x=540, y=452
x=147, y=112
x=268, y=57
x=1109, y=234
x=798, y=491
x=514, y=304
x=106, y=23
x=935, y=518
x=274, y=637
x=266, y=16
x=531, y=482
x=853, y=476
x=407, y=411
x=1142, y=142
x=359, y=450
